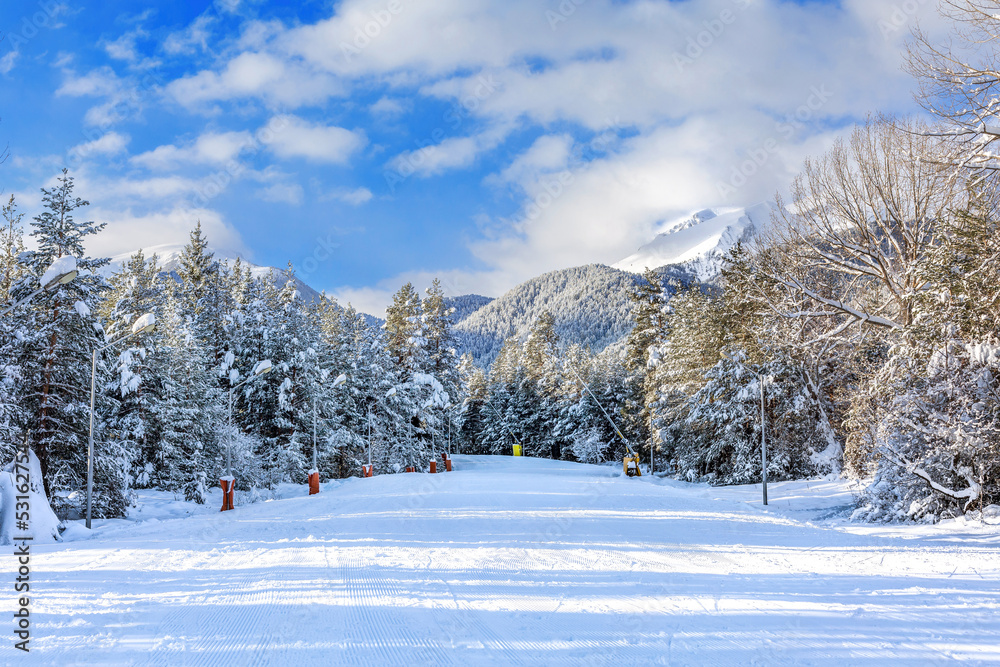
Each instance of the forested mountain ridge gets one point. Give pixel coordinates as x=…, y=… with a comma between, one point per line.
x=590, y=304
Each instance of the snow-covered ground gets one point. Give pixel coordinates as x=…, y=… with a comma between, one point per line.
x=516, y=562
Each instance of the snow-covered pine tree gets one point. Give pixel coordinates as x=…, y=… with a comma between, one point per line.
x=535, y=398
x=190, y=411
x=649, y=314
x=12, y=330
x=137, y=383
x=403, y=330
x=695, y=337
x=61, y=335
x=440, y=355
x=473, y=411
x=256, y=412
x=930, y=415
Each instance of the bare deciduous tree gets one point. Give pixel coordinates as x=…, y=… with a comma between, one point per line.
x=959, y=80
x=863, y=215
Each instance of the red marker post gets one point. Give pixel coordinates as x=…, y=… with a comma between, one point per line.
x=228, y=488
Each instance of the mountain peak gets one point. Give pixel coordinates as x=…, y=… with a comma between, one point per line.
x=700, y=241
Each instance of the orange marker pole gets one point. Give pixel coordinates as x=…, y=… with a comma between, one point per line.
x=228, y=488
x=314, y=482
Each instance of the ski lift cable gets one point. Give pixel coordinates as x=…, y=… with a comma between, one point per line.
x=490, y=403
x=605, y=412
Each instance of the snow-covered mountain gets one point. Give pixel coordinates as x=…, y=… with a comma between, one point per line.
x=466, y=305
x=169, y=260
x=590, y=304
x=700, y=241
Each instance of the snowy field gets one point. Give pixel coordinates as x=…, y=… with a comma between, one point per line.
x=516, y=562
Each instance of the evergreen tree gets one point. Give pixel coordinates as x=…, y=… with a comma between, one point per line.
x=404, y=331
x=137, y=383
x=649, y=313
x=62, y=333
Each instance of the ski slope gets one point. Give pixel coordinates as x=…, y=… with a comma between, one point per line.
x=518, y=562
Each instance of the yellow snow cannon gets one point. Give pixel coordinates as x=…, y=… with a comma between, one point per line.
x=630, y=464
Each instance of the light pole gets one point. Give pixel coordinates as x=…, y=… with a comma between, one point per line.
x=62, y=271
x=314, y=473
x=763, y=441
x=259, y=369
x=144, y=324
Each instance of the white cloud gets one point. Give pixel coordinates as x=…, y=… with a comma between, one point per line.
x=692, y=104
x=99, y=82
x=293, y=137
x=8, y=61
x=127, y=232
x=124, y=47
x=355, y=197
x=279, y=81
x=209, y=148
x=124, y=97
x=110, y=143
x=192, y=39
x=451, y=153
x=388, y=106
x=282, y=193
x=549, y=153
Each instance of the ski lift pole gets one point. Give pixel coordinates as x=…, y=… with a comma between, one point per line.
x=628, y=447
x=497, y=413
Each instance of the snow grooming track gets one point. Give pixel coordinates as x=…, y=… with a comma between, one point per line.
x=374, y=635
x=514, y=562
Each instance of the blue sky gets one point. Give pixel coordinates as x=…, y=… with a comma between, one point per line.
x=371, y=142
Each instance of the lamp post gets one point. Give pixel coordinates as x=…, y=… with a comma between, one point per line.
x=763, y=441
x=259, y=369
x=62, y=271
x=314, y=473
x=144, y=324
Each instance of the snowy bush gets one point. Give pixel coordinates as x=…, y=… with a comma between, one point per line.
x=723, y=444
x=43, y=523
x=937, y=435
x=589, y=446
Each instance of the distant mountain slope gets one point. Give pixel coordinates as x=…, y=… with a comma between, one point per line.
x=466, y=305
x=700, y=242
x=590, y=304
x=169, y=260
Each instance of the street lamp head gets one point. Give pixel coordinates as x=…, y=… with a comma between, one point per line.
x=144, y=324
x=391, y=392
x=262, y=367
x=62, y=271
x=341, y=379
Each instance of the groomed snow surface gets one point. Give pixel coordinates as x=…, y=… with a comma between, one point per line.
x=516, y=562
